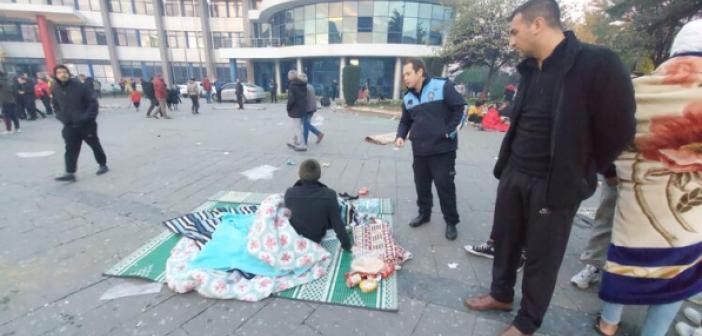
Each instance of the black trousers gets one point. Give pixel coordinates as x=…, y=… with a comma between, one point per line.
x=196, y=104
x=9, y=112
x=47, y=105
x=274, y=97
x=524, y=221
x=74, y=137
x=440, y=169
x=31, y=107
x=154, y=104
x=240, y=100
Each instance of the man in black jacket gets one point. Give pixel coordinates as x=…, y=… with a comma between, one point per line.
x=150, y=94
x=431, y=112
x=25, y=92
x=77, y=108
x=297, y=109
x=314, y=207
x=573, y=114
x=239, y=90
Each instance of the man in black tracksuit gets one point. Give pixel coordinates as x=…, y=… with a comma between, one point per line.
x=239, y=90
x=77, y=108
x=150, y=94
x=431, y=112
x=573, y=115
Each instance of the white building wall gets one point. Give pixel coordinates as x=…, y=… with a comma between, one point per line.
x=76, y=51
x=182, y=23
x=92, y=18
x=227, y=24
x=138, y=54
x=22, y=49
x=132, y=21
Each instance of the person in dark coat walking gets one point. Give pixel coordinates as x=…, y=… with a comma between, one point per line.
x=9, y=107
x=25, y=93
x=240, y=94
x=573, y=115
x=148, y=87
x=314, y=206
x=274, y=92
x=76, y=106
x=297, y=110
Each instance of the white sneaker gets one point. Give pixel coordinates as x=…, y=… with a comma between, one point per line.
x=697, y=299
x=18, y=131
x=587, y=276
x=693, y=315
x=684, y=329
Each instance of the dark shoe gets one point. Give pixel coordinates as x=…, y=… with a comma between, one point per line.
x=486, y=302
x=102, y=170
x=66, y=178
x=320, y=137
x=300, y=149
x=419, y=220
x=513, y=331
x=486, y=249
x=451, y=232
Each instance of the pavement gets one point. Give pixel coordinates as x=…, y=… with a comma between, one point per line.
x=58, y=238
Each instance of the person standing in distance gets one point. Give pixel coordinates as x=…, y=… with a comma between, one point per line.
x=572, y=116
x=239, y=90
x=431, y=112
x=77, y=107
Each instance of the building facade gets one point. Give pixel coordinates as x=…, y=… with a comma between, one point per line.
x=256, y=41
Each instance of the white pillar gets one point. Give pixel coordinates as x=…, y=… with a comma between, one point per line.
x=278, y=78
x=250, y=72
x=342, y=65
x=299, y=65
x=397, y=85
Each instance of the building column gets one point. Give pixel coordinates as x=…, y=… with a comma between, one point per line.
x=232, y=69
x=397, y=85
x=207, y=37
x=250, y=75
x=48, y=44
x=278, y=79
x=109, y=35
x=342, y=65
x=158, y=16
x=298, y=65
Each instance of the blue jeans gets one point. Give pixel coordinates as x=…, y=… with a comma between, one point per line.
x=658, y=318
x=307, y=126
x=208, y=96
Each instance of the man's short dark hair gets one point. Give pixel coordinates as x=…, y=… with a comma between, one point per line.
x=547, y=9
x=310, y=170
x=416, y=65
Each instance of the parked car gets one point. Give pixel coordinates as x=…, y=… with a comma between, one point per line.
x=252, y=92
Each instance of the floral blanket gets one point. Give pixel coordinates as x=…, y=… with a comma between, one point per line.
x=656, y=252
x=271, y=240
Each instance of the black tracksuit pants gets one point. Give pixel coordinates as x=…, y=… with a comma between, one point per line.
x=441, y=169
x=74, y=137
x=523, y=221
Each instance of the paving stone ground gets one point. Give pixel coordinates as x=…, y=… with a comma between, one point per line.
x=58, y=238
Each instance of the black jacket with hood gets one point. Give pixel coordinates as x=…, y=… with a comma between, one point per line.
x=297, y=99
x=75, y=103
x=593, y=120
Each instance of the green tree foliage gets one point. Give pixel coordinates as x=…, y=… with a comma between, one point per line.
x=479, y=36
x=352, y=83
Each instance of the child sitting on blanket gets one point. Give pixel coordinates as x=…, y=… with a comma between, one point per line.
x=314, y=206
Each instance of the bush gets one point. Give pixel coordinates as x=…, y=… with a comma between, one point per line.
x=352, y=83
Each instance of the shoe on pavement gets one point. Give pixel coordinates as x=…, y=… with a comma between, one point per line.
x=18, y=131
x=485, y=250
x=419, y=220
x=68, y=177
x=513, y=331
x=486, y=302
x=451, y=232
x=684, y=329
x=586, y=277
x=693, y=315
x=320, y=137
x=102, y=170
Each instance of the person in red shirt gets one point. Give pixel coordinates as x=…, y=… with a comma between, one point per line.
x=161, y=93
x=43, y=93
x=135, y=97
x=207, y=87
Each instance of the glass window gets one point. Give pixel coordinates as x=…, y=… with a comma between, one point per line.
x=10, y=32
x=149, y=38
x=218, y=9
x=310, y=26
x=29, y=33
x=69, y=35
x=322, y=39
x=365, y=24
x=380, y=24
x=395, y=24
x=86, y=5
x=350, y=8
x=380, y=37
x=350, y=24
x=396, y=8
x=299, y=14
x=234, y=8
x=411, y=9
x=176, y=39
x=95, y=5
x=190, y=8
x=435, y=35
x=310, y=12
x=448, y=13
x=194, y=41
x=335, y=10
x=116, y=6
x=380, y=8
x=409, y=32
x=95, y=36
x=423, y=26
x=322, y=10
x=310, y=39
x=349, y=38
x=144, y=7
x=365, y=8
x=322, y=26
x=437, y=12
x=365, y=38
x=425, y=11
x=172, y=7
x=335, y=30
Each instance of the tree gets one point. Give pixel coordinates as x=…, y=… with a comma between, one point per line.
x=655, y=21
x=479, y=37
x=352, y=82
